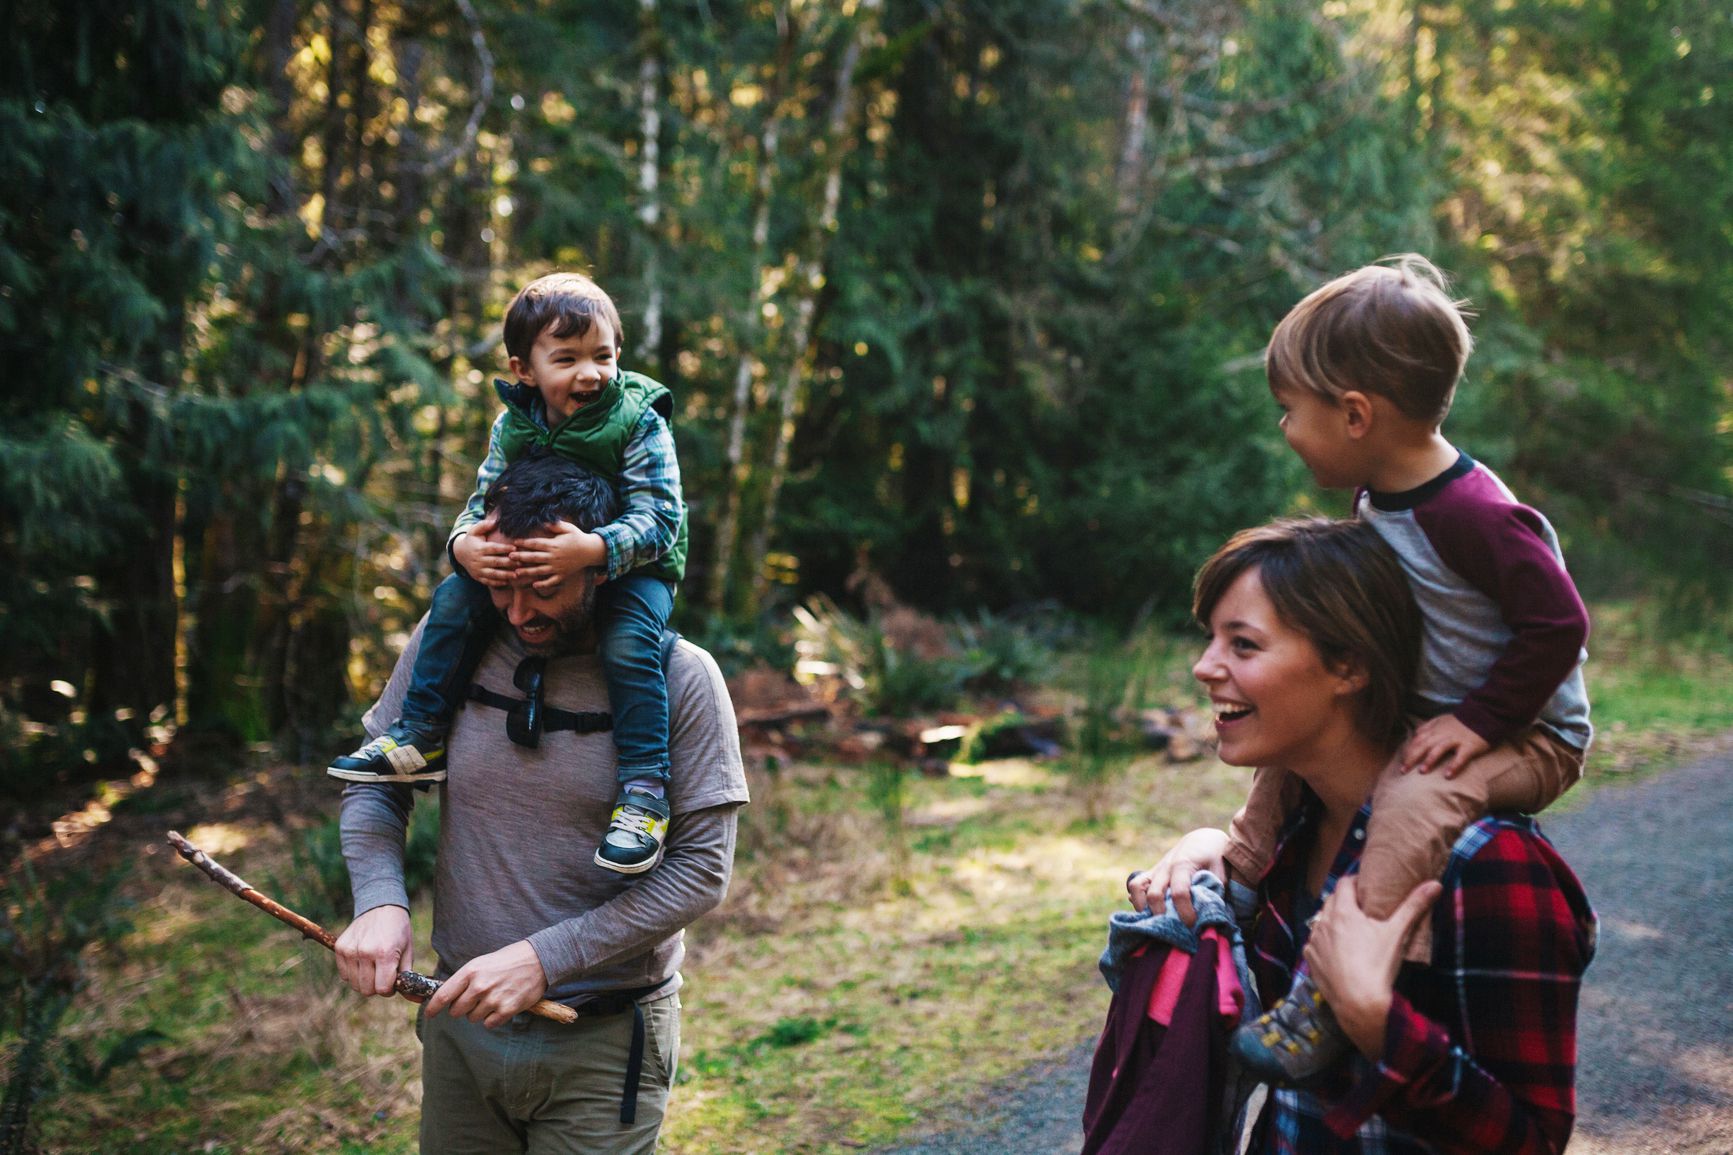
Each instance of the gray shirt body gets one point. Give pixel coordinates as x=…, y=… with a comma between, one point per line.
x=519, y=829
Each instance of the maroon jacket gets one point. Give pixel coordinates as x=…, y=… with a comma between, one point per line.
x=1157, y=1089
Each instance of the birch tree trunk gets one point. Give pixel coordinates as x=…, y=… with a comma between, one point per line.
x=649, y=174
x=808, y=282
x=1136, y=128
x=739, y=403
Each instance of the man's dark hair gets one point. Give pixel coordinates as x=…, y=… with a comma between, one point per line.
x=541, y=488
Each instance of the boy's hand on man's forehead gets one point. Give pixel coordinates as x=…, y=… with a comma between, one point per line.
x=483, y=554
x=562, y=550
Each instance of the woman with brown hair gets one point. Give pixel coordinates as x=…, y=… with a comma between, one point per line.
x=1313, y=641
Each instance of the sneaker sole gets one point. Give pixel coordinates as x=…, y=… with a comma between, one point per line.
x=366, y=776
x=620, y=868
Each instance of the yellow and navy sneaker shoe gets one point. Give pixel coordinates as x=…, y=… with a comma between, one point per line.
x=635, y=835
x=404, y=753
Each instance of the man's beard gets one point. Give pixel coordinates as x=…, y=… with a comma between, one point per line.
x=570, y=627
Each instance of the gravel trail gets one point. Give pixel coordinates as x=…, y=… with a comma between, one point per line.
x=1656, y=1069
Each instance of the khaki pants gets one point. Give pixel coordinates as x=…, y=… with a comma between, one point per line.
x=542, y=1087
x=1416, y=818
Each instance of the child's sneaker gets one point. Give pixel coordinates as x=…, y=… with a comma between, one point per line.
x=635, y=835
x=1295, y=1042
x=404, y=753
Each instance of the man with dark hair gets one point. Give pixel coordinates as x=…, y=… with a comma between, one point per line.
x=521, y=910
x=545, y=490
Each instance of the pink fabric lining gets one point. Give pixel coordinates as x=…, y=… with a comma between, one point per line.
x=1231, y=997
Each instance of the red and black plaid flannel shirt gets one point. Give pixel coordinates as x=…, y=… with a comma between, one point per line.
x=1481, y=1049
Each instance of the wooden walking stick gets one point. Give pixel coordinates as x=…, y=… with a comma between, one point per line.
x=412, y=986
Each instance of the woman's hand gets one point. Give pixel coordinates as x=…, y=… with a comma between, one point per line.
x=1354, y=959
x=1200, y=850
x=483, y=556
x=549, y=561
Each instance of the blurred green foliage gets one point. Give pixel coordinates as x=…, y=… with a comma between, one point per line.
x=969, y=298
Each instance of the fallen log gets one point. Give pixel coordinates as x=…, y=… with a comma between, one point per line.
x=776, y=716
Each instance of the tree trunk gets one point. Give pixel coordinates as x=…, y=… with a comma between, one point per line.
x=222, y=549
x=134, y=669
x=735, y=470
x=808, y=282
x=1128, y=179
x=282, y=608
x=331, y=145
x=1411, y=110
x=649, y=173
x=279, y=51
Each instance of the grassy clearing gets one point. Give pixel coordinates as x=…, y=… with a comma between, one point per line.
x=882, y=936
x=851, y=995
x=263, y=1053
x=828, y=1002
x=1661, y=695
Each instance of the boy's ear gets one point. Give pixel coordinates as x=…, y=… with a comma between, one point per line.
x=1357, y=412
x=520, y=369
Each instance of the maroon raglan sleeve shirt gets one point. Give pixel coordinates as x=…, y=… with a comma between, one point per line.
x=1505, y=626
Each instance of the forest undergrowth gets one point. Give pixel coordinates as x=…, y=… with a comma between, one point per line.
x=881, y=923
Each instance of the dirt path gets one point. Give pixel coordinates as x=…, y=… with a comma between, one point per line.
x=1656, y=1067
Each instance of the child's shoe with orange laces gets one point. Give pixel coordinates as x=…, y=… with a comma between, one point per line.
x=1295, y=1042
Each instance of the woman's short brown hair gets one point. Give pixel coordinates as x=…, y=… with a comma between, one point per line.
x=1340, y=584
x=1391, y=329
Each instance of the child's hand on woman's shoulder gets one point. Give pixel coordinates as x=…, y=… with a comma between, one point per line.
x=1441, y=743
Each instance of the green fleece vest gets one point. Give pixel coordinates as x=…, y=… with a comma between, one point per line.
x=595, y=437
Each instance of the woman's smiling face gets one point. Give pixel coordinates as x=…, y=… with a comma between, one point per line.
x=1276, y=703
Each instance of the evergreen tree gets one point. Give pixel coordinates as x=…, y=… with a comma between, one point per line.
x=116, y=146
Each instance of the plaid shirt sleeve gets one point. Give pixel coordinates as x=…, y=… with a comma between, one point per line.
x=491, y=467
x=649, y=481
x=1513, y=935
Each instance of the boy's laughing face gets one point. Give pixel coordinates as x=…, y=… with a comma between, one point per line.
x=569, y=372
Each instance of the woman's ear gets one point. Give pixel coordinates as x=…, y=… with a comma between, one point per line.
x=1350, y=674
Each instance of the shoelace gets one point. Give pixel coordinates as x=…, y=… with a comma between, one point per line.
x=631, y=820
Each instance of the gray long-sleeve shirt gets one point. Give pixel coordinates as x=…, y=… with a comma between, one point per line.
x=519, y=829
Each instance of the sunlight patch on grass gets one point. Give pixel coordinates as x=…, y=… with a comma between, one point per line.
x=1660, y=695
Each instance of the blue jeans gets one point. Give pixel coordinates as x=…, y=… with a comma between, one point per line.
x=634, y=611
x=459, y=625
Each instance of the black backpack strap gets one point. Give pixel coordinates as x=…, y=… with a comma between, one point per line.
x=553, y=718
